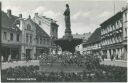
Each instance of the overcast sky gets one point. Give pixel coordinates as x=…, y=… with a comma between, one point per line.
x=86, y=16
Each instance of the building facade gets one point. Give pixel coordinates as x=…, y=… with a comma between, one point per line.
x=10, y=36
x=84, y=37
x=47, y=24
x=22, y=38
x=50, y=27
x=114, y=36
x=93, y=45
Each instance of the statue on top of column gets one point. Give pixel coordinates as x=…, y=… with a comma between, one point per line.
x=67, y=17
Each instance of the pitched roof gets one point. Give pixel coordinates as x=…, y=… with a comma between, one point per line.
x=40, y=31
x=95, y=37
x=9, y=22
x=113, y=18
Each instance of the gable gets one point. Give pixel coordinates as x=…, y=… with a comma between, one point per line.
x=9, y=22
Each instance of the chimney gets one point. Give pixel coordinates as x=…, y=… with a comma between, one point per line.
x=9, y=13
x=123, y=8
x=20, y=15
x=29, y=17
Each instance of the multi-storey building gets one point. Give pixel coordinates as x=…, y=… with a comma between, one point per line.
x=84, y=37
x=50, y=27
x=114, y=36
x=93, y=45
x=47, y=24
x=22, y=38
x=10, y=36
x=34, y=39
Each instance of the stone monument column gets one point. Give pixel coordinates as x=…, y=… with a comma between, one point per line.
x=68, y=32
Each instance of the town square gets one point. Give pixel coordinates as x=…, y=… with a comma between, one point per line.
x=64, y=41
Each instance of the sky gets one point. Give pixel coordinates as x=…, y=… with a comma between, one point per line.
x=86, y=16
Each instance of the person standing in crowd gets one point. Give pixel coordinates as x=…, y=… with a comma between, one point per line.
x=103, y=57
x=112, y=57
x=9, y=58
x=2, y=58
x=17, y=57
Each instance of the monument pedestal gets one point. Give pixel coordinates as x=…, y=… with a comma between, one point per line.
x=68, y=34
x=68, y=37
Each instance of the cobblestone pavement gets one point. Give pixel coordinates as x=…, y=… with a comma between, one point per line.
x=13, y=64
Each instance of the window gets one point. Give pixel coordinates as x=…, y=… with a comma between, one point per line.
x=126, y=32
x=114, y=26
x=125, y=16
x=17, y=38
x=44, y=41
x=37, y=40
x=109, y=28
x=31, y=38
x=11, y=36
x=113, y=40
x=26, y=38
x=5, y=36
x=40, y=40
x=47, y=41
x=28, y=27
x=120, y=23
x=116, y=39
x=117, y=24
x=55, y=31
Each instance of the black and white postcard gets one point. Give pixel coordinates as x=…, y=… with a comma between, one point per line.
x=63, y=40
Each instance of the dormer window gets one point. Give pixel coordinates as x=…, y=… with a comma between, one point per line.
x=28, y=27
x=17, y=24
